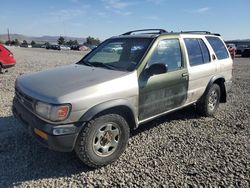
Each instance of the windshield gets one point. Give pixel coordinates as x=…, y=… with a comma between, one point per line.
x=118, y=54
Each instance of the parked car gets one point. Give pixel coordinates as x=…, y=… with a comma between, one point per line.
x=116, y=47
x=80, y=48
x=91, y=106
x=6, y=58
x=246, y=52
x=38, y=46
x=75, y=47
x=48, y=46
x=241, y=45
x=24, y=45
x=91, y=46
x=62, y=47
x=232, y=49
x=53, y=47
x=83, y=48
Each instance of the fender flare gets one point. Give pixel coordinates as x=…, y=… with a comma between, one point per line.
x=213, y=79
x=118, y=103
x=220, y=83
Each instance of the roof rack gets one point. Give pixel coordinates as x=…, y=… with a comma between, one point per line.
x=201, y=32
x=160, y=31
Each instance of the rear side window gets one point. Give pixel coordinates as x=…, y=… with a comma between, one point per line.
x=218, y=47
x=197, y=51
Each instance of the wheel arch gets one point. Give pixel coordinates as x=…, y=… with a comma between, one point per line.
x=220, y=80
x=120, y=106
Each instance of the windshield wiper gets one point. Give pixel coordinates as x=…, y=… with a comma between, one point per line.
x=97, y=64
x=85, y=63
x=105, y=65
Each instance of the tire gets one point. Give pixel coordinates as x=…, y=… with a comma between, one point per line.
x=209, y=103
x=102, y=140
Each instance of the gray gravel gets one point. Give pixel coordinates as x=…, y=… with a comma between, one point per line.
x=181, y=149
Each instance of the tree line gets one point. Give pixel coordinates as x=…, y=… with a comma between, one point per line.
x=90, y=41
x=61, y=41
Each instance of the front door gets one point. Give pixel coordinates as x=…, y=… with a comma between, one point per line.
x=163, y=92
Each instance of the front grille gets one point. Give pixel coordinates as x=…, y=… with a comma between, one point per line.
x=24, y=99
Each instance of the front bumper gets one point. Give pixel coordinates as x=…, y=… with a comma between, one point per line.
x=5, y=66
x=63, y=143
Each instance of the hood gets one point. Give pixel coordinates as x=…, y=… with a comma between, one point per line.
x=52, y=84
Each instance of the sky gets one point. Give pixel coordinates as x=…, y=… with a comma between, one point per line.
x=106, y=18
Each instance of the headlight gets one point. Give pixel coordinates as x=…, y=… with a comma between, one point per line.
x=52, y=112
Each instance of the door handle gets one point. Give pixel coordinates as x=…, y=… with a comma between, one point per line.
x=184, y=74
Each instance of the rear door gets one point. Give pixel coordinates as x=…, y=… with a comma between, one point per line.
x=201, y=67
x=163, y=92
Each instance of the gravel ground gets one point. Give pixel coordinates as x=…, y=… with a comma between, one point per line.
x=181, y=149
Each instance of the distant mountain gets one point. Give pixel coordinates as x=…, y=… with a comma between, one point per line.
x=42, y=39
x=4, y=37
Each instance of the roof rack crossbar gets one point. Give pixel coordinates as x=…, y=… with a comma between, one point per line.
x=201, y=32
x=160, y=31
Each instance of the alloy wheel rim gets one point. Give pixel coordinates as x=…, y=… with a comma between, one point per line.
x=212, y=100
x=106, y=139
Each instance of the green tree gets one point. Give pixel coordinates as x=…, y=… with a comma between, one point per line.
x=69, y=43
x=15, y=42
x=72, y=42
x=75, y=42
x=12, y=43
x=33, y=43
x=25, y=42
x=92, y=41
x=7, y=42
x=61, y=40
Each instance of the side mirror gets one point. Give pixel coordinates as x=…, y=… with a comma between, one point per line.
x=157, y=68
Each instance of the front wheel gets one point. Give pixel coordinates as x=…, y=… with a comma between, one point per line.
x=102, y=140
x=209, y=102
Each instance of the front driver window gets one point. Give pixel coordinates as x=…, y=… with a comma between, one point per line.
x=167, y=52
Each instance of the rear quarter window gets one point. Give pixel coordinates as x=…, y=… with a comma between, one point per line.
x=218, y=47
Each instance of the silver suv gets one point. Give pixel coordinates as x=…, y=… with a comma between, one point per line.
x=91, y=106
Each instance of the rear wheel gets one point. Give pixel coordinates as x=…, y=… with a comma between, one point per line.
x=102, y=140
x=209, y=103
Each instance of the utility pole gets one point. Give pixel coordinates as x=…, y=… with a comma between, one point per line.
x=8, y=34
